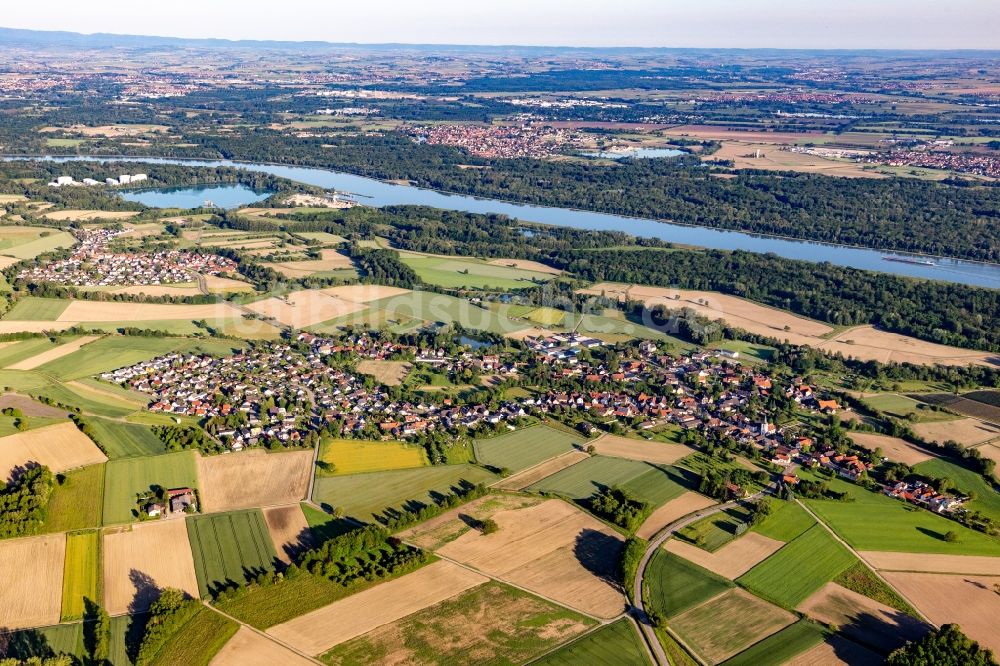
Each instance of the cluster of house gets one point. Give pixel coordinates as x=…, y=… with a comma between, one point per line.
x=175, y=501
x=978, y=163
x=92, y=265
x=123, y=179
x=498, y=141
x=921, y=494
x=562, y=347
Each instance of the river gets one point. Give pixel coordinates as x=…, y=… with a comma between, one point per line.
x=379, y=193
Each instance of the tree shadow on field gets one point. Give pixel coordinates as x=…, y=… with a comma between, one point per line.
x=24, y=644
x=146, y=591
x=598, y=553
x=931, y=533
x=883, y=632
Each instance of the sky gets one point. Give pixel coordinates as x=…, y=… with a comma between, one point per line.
x=920, y=24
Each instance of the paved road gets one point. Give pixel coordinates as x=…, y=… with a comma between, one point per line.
x=638, y=610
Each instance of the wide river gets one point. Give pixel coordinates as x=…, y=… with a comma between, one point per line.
x=379, y=193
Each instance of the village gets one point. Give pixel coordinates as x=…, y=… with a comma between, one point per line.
x=499, y=141
x=92, y=264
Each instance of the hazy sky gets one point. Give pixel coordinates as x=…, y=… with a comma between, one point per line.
x=710, y=23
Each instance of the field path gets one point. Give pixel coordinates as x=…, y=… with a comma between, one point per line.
x=264, y=635
x=865, y=562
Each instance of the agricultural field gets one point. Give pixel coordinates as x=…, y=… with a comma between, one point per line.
x=198, y=640
x=229, y=548
x=288, y=529
x=366, y=496
x=533, y=475
x=491, y=623
x=300, y=309
x=786, y=521
x=900, y=527
x=893, y=448
x=732, y=560
x=331, y=263
x=139, y=560
x=44, y=357
x=14, y=352
x=650, y=483
x=780, y=647
x=77, y=501
x=525, y=448
x=125, y=440
x=252, y=479
x=923, y=562
x=800, y=568
x=615, y=644
x=432, y=307
x=903, y=407
x=127, y=476
x=862, y=619
x=638, y=449
x=31, y=595
x=552, y=549
x=834, y=650
x=434, y=533
x=44, y=642
x=390, y=373
x=969, y=601
x=688, y=502
x=32, y=308
x=469, y=273
x=967, y=405
x=31, y=248
x=113, y=352
x=80, y=576
x=674, y=585
x=60, y=447
x=713, y=532
x=728, y=624
x=248, y=648
x=316, y=632
x=968, y=432
x=355, y=456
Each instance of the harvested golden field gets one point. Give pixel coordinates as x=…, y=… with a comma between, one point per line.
x=743, y=154
x=318, y=631
x=982, y=565
x=862, y=619
x=8, y=261
x=253, y=478
x=968, y=431
x=32, y=573
x=85, y=215
x=216, y=283
x=390, y=373
x=533, y=332
x=552, y=549
x=525, y=478
x=304, y=308
x=59, y=447
x=330, y=260
x=893, y=448
x=837, y=651
x=969, y=601
x=364, y=293
x=638, y=449
x=434, y=533
x=732, y=560
x=869, y=344
x=722, y=133
x=991, y=451
x=288, y=529
x=739, y=312
x=249, y=648
x=159, y=290
x=52, y=354
x=144, y=558
x=671, y=511
x=525, y=265
x=729, y=623
x=89, y=311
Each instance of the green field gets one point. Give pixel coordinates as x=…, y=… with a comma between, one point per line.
x=125, y=478
x=653, y=484
x=44, y=642
x=76, y=503
x=876, y=522
x=615, y=644
x=524, y=448
x=673, y=585
x=800, y=568
x=32, y=308
x=356, y=456
x=498, y=624
x=17, y=351
x=431, y=307
x=786, y=521
x=33, y=248
x=125, y=440
x=88, y=401
x=903, y=407
x=746, y=349
x=8, y=424
x=782, y=646
x=229, y=548
x=363, y=496
x=987, y=499
x=117, y=351
x=198, y=640
x=458, y=272
x=545, y=316
x=264, y=607
x=81, y=573
x=713, y=532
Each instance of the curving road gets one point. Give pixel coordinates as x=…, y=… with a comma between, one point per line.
x=638, y=610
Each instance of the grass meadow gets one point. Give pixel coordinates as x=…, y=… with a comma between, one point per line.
x=125, y=440
x=33, y=308
x=653, y=484
x=673, y=584
x=81, y=573
x=229, y=548
x=78, y=502
x=782, y=646
x=355, y=456
x=786, y=521
x=526, y=447
x=615, y=644
x=126, y=477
